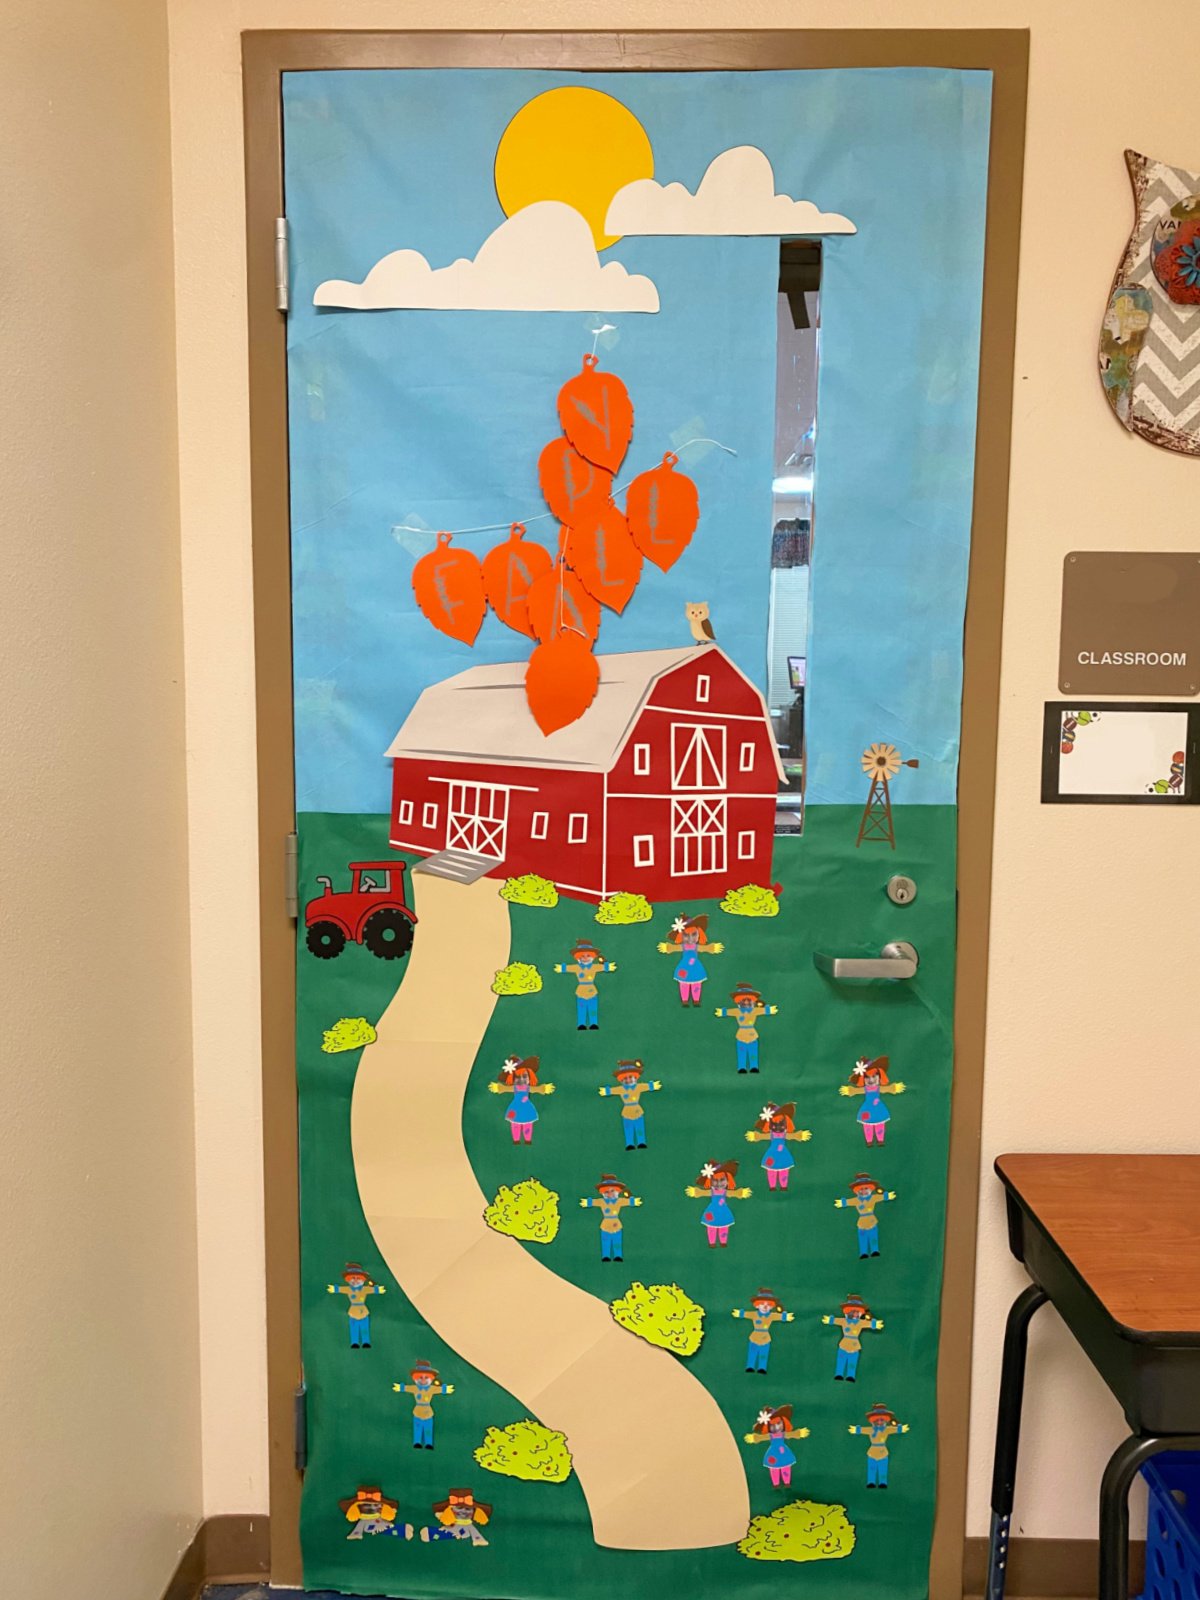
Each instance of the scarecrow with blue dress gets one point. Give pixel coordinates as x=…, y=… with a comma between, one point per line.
x=520, y=1079
x=688, y=941
x=773, y=1427
x=776, y=1127
x=717, y=1186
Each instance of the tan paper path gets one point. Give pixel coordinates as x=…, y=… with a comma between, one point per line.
x=553, y=1346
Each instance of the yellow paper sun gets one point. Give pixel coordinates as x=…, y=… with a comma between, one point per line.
x=575, y=145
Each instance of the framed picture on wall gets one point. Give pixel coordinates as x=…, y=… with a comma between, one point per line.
x=1120, y=753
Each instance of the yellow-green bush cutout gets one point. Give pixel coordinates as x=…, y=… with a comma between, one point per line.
x=529, y=890
x=806, y=1530
x=624, y=907
x=526, y=1211
x=347, y=1033
x=518, y=977
x=526, y=1450
x=662, y=1314
x=751, y=900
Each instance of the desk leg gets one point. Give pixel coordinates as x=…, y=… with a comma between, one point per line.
x=1120, y=1472
x=1008, y=1433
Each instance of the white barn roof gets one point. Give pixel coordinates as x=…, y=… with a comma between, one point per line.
x=482, y=714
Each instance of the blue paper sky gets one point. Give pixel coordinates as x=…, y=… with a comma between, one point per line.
x=438, y=417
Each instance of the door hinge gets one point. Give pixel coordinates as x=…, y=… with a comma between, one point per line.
x=300, y=1426
x=291, y=876
x=282, y=265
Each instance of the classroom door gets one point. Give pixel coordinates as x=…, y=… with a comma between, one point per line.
x=622, y=1209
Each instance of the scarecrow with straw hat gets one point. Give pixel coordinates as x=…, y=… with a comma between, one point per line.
x=611, y=1198
x=870, y=1079
x=585, y=965
x=776, y=1125
x=629, y=1090
x=763, y=1312
x=460, y=1516
x=356, y=1285
x=854, y=1321
x=369, y=1512
x=520, y=1079
x=717, y=1185
x=688, y=941
x=747, y=1007
x=424, y=1387
x=773, y=1427
x=880, y=1426
x=865, y=1194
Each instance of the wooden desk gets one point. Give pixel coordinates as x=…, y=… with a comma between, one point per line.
x=1114, y=1243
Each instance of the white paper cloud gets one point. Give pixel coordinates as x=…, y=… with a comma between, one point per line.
x=542, y=258
x=736, y=196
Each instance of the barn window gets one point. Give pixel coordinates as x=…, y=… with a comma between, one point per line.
x=697, y=756
x=703, y=684
x=405, y=814
x=577, y=828
x=429, y=815
x=643, y=849
x=540, y=824
x=746, y=759
x=746, y=844
x=641, y=760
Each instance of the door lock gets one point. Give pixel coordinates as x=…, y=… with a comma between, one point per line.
x=901, y=890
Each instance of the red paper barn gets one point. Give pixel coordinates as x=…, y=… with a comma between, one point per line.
x=666, y=786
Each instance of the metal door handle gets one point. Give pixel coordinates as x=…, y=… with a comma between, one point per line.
x=895, y=960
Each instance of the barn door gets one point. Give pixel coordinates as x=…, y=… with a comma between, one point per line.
x=477, y=819
x=622, y=1207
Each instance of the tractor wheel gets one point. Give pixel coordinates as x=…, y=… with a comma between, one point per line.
x=388, y=935
x=326, y=940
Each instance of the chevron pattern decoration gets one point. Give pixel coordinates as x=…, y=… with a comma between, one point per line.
x=1161, y=399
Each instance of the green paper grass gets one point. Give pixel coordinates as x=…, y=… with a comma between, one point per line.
x=518, y=977
x=662, y=1314
x=805, y=1530
x=624, y=907
x=527, y=1210
x=529, y=890
x=526, y=1450
x=751, y=900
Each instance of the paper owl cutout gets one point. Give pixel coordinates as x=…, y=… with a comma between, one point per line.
x=1150, y=336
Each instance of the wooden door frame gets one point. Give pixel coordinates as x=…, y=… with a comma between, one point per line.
x=265, y=57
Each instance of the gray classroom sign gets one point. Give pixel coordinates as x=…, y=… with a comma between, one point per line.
x=1130, y=623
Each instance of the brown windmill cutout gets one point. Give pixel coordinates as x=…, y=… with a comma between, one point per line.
x=882, y=762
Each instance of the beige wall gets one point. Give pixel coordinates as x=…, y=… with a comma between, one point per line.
x=100, y=1482
x=1096, y=937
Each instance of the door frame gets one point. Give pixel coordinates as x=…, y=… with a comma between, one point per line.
x=266, y=55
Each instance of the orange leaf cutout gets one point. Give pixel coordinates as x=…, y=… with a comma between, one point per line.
x=606, y=559
x=597, y=415
x=576, y=490
x=558, y=603
x=509, y=572
x=561, y=681
x=663, y=508
x=448, y=585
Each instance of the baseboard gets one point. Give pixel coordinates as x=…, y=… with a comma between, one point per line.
x=1050, y=1569
x=227, y=1549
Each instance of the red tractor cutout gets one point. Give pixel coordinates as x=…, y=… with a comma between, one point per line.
x=373, y=911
